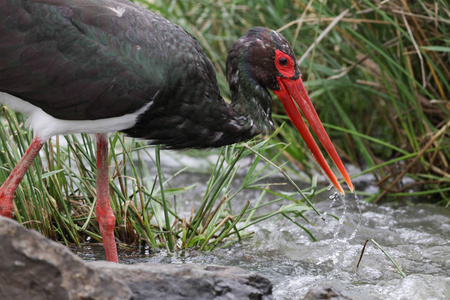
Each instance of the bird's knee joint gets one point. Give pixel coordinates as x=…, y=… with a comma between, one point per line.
x=106, y=219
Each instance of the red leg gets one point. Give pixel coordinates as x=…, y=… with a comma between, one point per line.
x=9, y=187
x=105, y=215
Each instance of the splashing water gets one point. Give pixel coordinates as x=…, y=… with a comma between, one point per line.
x=339, y=244
x=418, y=237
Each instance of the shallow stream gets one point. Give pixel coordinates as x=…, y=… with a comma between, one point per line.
x=417, y=237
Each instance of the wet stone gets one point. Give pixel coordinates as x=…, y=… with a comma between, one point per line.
x=33, y=267
x=324, y=292
x=189, y=281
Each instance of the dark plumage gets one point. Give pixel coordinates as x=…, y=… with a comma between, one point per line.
x=82, y=61
x=110, y=65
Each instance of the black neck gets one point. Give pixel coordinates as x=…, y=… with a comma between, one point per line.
x=253, y=101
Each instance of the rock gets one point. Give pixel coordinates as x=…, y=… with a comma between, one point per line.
x=324, y=292
x=189, y=281
x=33, y=267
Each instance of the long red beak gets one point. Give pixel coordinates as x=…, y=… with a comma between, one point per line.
x=294, y=90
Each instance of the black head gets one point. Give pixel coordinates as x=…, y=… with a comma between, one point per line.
x=263, y=55
x=262, y=59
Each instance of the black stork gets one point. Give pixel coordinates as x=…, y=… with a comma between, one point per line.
x=100, y=66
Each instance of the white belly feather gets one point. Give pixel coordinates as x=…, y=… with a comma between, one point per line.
x=46, y=126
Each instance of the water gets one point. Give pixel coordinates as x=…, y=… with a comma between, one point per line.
x=417, y=237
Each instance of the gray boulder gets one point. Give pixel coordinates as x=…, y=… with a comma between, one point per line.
x=33, y=267
x=189, y=281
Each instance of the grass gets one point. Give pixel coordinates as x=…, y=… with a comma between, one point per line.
x=394, y=262
x=377, y=72
x=57, y=196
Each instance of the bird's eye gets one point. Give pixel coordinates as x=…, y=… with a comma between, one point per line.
x=284, y=64
x=283, y=61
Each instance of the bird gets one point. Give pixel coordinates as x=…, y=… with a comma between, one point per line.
x=97, y=67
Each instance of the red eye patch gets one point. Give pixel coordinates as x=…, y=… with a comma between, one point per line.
x=284, y=64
